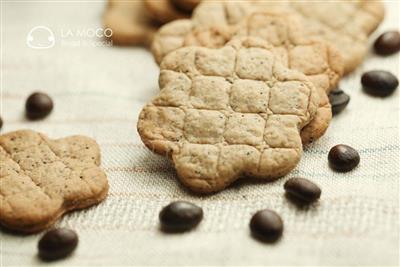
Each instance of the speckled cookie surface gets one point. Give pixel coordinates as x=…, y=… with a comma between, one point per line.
x=170, y=37
x=228, y=112
x=346, y=24
x=346, y=27
x=208, y=13
x=41, y=178
x=130, y=23
x=320, y=61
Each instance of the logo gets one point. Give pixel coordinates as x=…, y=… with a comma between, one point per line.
x=40, y=37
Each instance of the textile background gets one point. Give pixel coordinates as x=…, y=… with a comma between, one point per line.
x=98, y=91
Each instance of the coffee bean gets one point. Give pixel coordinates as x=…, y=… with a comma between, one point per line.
x=302, y=189
x=387, y=43
x=57, y=244
x=343, y=158
x=1, y=123
x=180, y=216
x=379, y=82
x=338, y=100
x=38, y=105
x=266, y=225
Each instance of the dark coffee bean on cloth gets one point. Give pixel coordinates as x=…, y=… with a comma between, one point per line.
x=302, y=189
x=266, y=225
x=343, y=158
x=57, y=243
x=379, y=82
x=338, y=100
x=180, y=216
x=387, y=43
x=38, y=105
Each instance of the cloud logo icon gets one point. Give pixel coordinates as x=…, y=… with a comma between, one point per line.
x=40, y=37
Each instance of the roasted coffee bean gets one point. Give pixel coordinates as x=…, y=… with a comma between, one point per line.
x=180, y=216
x=338, y=100
x=266, y=225
x=1, y=123
x=379, y=82
x=302, y=189
x=387, y=43
x=343, y=158
x=38, y=105
x=57, y=243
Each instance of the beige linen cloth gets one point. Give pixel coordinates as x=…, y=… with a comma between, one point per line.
x=98, y=91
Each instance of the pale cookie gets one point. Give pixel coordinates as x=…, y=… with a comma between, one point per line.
x=170, y=37
x=129, y=22
x=41, y=179
x=223, y=14
x=226, y=113
x=345, y=24
x=186, y=5
x=318, y=60
x=164, y=11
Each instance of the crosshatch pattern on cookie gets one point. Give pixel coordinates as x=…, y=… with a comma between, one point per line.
x=40, y=178
x=349, y=31
x=321, y=62
x=354, y=21
x=204, y=118
x=356, y=17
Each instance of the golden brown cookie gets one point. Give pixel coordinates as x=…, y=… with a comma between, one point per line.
x=170, y=37
x=346, y=27
x=164, y=11
x=129, y=22
x=227, y=113
x=41, y=178
x=318, y=60
x=321, y=62
x=345, y=24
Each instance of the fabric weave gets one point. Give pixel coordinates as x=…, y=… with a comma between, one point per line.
x=99, y=91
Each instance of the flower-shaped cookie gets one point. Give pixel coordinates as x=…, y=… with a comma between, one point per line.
x=41, y=179
x=226, y=113
x=321, y=62
x=345, y=24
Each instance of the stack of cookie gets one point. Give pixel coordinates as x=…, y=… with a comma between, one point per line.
x=345, y=24
x=134, y=22
x=243, y=85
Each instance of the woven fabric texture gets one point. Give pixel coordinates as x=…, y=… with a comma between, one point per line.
x=99, y=91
